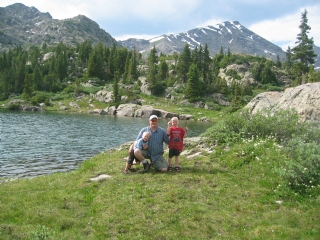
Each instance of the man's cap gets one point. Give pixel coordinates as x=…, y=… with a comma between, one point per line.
x=153, y=117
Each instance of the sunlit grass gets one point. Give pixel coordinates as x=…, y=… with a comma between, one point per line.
x=212, y=197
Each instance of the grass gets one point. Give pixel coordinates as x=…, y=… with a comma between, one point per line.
x=230, y=193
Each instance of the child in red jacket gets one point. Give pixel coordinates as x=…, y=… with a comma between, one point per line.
x=176, y=135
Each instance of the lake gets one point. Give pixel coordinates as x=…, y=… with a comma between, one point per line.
x=38, y=143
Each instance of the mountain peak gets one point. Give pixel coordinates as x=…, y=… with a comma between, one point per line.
x=228, y=35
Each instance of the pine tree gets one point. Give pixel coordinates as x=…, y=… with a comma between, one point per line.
x=185, y=60
x=27, y=89
x=37, y=79
x=303, y=53
x=163, y=70
x=278, y=62
x=152, y=72
x=96, y=64
x=133, y=73
x=116, y=94
x=288, y=62
x=206, y=65
x=5, y=84
x=192, y=91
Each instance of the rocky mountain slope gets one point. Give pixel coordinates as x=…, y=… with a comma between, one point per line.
x=228, y=34
x=22, y=25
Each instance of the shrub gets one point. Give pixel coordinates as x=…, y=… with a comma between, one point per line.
x=14, y=106
x=302, y=171
x=40, y=97
x=282, y=124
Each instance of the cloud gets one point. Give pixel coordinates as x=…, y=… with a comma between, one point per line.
x=137, y=36
x=211, y=22
x=283, y=31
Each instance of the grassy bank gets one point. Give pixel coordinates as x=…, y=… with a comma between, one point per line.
x=209, y=199
x=238, y=189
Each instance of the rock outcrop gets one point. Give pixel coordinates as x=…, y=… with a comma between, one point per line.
x=136, y=110
x=305, y=99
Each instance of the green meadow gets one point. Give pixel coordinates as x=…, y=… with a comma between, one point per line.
x=233, y=184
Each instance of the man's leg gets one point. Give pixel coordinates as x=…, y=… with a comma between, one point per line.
x=161, y=164
x=141, y=155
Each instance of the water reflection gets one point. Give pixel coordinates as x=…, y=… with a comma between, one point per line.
x=37, y=143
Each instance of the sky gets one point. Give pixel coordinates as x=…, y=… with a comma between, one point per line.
x=275, y=20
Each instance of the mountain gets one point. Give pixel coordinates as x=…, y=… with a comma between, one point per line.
x=228, y=34
x=22, y=25
x=317, y=60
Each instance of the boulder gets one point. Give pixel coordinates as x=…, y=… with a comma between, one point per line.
x=243, y=70
x=74, y=105
x=111, y=110
x=304, y=99
x=98, y=111
x=144, y=111
x=127, y=110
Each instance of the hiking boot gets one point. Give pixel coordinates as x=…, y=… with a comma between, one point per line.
x=146, y=167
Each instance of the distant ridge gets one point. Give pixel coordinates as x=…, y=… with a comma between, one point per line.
x=228, y=34
x=21, y=25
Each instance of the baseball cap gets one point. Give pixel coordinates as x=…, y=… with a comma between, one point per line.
x=153, y=117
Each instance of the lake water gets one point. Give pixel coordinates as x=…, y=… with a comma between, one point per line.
x=38, y=143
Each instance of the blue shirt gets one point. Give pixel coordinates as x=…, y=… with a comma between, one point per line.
x=139, y=143
x=157, y=138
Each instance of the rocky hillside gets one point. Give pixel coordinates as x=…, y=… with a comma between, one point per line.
x=22, y=25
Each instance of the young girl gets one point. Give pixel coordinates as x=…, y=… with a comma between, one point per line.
x=176, y=135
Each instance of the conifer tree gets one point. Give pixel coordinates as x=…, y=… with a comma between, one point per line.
x=37, y=79
x=288, y=62
x=20, y=74
x=96, y=64
x=116, y=95
x=133, y=73
x=5, y=84
x=27, y=88
x=152, y=72
x=185, y=60
x=126, y=71
x=163, y=70
x=303, y=54
x=192, y=91
x=206, y=65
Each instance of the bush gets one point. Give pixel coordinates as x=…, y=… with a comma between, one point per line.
x=14, y=106
x=300, y=141
x=40, y=97
x=302, y=171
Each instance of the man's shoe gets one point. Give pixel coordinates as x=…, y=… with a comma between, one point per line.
x=146, y=167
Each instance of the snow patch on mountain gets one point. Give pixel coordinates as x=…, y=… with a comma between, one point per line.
x=229, y=30
x=268, y=52
x=237, y=26
x=156, y=39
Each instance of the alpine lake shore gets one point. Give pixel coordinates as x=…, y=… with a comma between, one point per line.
x=208, y=199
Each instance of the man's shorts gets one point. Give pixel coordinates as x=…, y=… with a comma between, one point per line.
x=160, y=163
x=174, y=152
